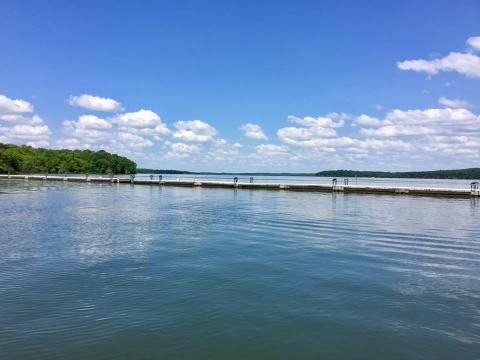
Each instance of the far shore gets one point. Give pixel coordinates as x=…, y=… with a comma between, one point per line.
x=456, y=174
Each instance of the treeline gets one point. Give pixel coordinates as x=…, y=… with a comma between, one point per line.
x=156, y=171
x=472, y=173
x=25, y=159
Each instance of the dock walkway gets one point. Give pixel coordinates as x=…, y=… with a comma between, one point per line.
x=473, y=191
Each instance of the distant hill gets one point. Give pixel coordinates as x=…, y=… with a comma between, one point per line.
x=472, y=173
x=156, y=171
x=25, y=159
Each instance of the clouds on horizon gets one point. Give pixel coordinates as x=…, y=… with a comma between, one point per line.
x=18, y=124
x=444, y=134
x=335, y=138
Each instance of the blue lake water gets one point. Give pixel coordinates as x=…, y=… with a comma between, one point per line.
x=92, y=271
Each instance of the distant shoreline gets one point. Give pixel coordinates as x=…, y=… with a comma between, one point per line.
x=458, y=174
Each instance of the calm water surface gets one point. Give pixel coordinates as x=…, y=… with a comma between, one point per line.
x=90, y=271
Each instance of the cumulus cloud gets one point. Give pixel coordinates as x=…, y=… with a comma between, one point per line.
x=313, y=129
x=181, y=150
x=453, y=103
x=327, y=121
x=126, y=133
x=474, y=43
x=93, y=122
x=70, y=143
x=271, y=150
x=194, y=131
x=133, y=140
x=33, y=135
x=88, y=128
x=14, y=106
x=22, y=119
x=253, y=131
x=467, y=64
x=19, y=126
x=221, y=150
x=95, y=103
x=139, y=119
x=157, y=132
x=425, y=122
x=463, y=63
x=367, y=120
x=413, y=134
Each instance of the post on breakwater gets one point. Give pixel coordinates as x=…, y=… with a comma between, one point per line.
x=475, y=188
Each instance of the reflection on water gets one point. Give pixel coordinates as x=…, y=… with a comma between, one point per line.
x=115, y=271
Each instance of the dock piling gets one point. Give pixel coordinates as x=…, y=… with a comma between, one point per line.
x=475, y=188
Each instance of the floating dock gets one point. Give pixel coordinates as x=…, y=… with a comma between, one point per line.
x=474, y=190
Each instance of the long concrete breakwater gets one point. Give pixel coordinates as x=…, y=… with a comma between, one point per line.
x=473, y=191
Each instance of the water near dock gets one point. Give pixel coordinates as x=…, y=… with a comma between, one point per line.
x=116, y=271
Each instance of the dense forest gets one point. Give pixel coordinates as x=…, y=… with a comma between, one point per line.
x=472, y=173
x=25, y=159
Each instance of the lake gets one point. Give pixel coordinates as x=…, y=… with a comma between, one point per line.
x=144, y=272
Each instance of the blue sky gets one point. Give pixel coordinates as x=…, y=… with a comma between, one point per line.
x=246, y=85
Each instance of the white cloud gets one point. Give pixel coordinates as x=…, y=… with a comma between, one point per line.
x=407, y=135
x=140, y=119
x=463, y=63
x=474, y=43
x=221, y=150
x=314, y=129
x=157, y=132
x=33, y=135
x=398, y=130
x=29, y=132
x=253, y=131
x=425, y=122
x=70, y=143
x=88, y=128
x=21, y=127
x=181, y=150
x=125, y=133
x=382, y=145
x=133, y=140
x=321, y=121
x=95, y=103
x=453, y=103
x=467, y=64
x=21, y=119
x=14, y=106
x=367, y=120
x=194, y=131
x=271, y=150
x=93, y=122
